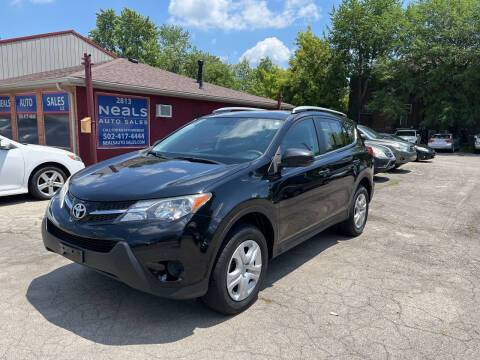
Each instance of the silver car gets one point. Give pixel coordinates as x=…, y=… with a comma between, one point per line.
x=444, y=142
x=409, y=135
x=404, y=151
x=477, y=142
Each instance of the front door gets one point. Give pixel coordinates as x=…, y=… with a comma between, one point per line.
x=300, y=192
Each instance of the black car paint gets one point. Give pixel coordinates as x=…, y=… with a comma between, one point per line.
x=293, y=204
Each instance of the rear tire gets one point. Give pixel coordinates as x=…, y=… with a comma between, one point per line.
x=46, y=181
x=231, y=265
x=355, y=223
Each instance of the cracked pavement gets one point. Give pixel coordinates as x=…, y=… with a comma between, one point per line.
x=407, y=288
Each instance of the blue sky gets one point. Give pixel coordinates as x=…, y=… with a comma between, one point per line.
x=226, y=28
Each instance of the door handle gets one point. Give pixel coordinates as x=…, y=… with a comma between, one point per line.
x=324, y=172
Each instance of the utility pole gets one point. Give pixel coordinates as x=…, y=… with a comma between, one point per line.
x=87, y=62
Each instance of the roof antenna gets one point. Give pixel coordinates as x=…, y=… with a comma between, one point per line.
x=200, y=74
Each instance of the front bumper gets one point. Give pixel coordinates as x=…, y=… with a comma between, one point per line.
x=383, y=165
x=403, y=157
x=120, y=263
x=477, y=146
x=140, y=254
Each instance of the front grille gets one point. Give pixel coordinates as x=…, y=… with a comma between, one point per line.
x=80, y=241
x=102, y=217
x=101, y=206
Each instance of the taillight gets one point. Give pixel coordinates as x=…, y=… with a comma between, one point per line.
x=430, y=141
x=448, y=141
x=370, y=150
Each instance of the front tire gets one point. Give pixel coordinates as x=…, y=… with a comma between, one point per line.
x=357, y=219
x=239, y=271
x=46, y=181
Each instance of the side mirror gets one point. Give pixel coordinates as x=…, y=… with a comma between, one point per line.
x=4, y=145
x=363, y=136
x=297, y=158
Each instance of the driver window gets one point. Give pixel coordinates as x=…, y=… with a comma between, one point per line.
x=302, y=136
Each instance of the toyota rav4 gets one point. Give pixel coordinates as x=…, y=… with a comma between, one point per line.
x=203, y=211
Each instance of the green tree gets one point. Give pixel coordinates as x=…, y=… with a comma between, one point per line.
x=362, y=33
x=270, y=79
x=438, y=66
x=174, y=47
x=129, y=35
x=316, y=75
x=244, y=76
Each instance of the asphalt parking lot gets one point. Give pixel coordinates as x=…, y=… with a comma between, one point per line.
x=407, y=288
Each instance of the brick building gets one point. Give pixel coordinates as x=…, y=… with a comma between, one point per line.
x=44, y=97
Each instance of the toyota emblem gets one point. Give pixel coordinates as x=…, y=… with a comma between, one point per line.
x=79, y=211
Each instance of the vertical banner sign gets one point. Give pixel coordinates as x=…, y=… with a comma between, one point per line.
x=55, y=103
x=5, y=104
x=26, y=104
x=122, y=121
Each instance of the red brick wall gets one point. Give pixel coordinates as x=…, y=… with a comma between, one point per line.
x=183, y=111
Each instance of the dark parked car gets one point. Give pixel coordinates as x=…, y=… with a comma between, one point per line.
x=203, y=211
x=403, y=150
x=383, y=157
x=424, y=152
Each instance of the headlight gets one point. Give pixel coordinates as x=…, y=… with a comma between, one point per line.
x=379, y=152
x=74, y=157
x=165, y=209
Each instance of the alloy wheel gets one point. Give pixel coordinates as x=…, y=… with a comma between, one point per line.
x=360, y=211
x=244, y=269
x=49, y=182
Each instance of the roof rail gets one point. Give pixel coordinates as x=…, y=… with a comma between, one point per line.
x=231, y=109
x=299, y=109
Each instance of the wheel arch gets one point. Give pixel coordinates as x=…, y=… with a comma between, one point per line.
x=253, y=212
x=47, y=164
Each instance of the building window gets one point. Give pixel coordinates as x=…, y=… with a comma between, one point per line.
x=26, y=108
x=56, y=119
x=5, y=117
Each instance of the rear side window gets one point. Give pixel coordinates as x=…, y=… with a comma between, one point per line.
x=302, y=136
x=349, y=130
x=332, y=134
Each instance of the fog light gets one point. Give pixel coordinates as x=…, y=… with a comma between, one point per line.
x=175, y=269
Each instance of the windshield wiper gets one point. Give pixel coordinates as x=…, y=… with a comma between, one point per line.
x=196, y=159
x=157, y=154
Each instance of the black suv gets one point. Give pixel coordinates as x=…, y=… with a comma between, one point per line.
x=203, y=211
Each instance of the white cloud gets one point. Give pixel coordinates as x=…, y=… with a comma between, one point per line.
x=240, y=14
x=271, y=47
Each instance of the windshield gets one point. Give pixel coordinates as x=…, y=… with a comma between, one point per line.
x=369, y=132
x=226, y=140
x=406, y=133
x=442, y=136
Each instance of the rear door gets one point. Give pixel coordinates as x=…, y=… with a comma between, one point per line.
x=336, y=138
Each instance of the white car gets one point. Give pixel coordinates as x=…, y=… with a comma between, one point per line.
x=35, y=169
x=477, y=142
x=409, y=135
x=444, y=142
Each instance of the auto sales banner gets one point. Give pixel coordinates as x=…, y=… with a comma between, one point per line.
x=122, y=121
x=55, y=102
x=5, y=104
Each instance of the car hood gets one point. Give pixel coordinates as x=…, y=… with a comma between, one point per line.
x=47, y=149
x=137, y=176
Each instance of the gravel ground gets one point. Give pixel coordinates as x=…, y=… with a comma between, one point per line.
x=407, y=288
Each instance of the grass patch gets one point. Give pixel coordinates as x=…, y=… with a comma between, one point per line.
x=393, y=183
